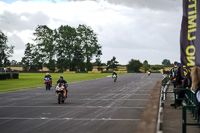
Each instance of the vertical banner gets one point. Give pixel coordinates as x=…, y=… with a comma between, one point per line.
x=190, y=36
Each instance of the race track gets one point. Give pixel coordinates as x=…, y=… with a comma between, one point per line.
x=95, y=106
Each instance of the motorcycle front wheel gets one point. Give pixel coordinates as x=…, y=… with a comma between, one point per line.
x=49, y=86
x=59, y=98
x=63, y=101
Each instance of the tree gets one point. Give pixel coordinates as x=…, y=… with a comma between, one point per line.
x=157, y=67
x=78, y=59
x=5, y=50
x=66, y=38
x=89, y=43
x=14, y=63
x=98, y=61
x=145, y=66
x=44, y=37
x=134, y=65
x=112, y=64
x=103, y=64
x=65, y=47
x=166, y=62
x=32, y=60
x=98, y=64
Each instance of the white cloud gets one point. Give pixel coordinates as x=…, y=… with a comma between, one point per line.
x=28, y=34
x=24, y=18
x=127, y=29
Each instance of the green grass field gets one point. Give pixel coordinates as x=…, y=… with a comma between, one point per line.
x=31, y=80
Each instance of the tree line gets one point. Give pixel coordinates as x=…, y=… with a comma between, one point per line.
x=66, y=48
x=63, y=48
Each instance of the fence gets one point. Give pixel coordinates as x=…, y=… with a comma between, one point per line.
x=190, y=103
x=165, y=85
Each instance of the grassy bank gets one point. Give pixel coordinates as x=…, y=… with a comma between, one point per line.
x=31, y=80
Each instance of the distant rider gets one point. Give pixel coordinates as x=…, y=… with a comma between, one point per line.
x=114, y=73
x=61, y=80
x=48, y=76
x=149, y=72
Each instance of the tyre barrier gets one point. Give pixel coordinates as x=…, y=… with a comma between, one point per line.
x=4, y=76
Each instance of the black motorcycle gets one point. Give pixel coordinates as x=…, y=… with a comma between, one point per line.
x=47, y=82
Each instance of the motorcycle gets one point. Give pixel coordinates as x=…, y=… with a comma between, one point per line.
x=61, y=93
x=149, y=73
x=47, y=82
x=114, y=77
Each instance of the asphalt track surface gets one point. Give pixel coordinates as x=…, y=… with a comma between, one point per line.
x=94, y=106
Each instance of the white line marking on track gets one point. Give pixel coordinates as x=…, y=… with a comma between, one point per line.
x=110, y=94
x=105, y=107
x=87, y=99
x=115, y=99
x=76, y=119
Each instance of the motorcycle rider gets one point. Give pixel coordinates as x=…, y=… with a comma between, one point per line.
x=61, y=80
x=49, y=77
x=114, y=73
x=149, y=72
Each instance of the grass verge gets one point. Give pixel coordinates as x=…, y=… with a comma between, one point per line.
x=32, y=80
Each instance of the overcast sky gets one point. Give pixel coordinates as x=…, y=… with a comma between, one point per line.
x=127, y=29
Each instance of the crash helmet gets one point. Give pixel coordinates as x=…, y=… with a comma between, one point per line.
x=61, y=78
x=178, y=64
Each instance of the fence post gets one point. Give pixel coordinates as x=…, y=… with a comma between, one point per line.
x=184, y=119
x=175, y=101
